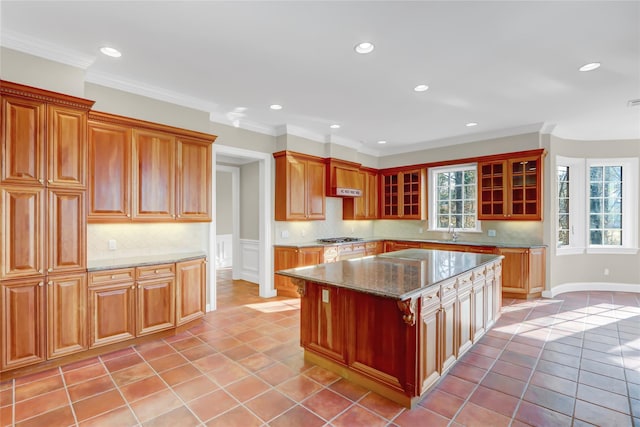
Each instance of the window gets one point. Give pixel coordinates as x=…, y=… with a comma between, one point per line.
x=453, y=198
x=594, y=210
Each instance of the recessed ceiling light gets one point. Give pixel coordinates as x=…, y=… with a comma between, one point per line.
x=275, y=106
x=471, y=124
x=590, y=66
x=382, y=141
x=335, y=126
x=421, y=88
x=364, y=47
x=111, y=51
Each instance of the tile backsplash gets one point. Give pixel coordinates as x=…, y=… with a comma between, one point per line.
x=135, y=239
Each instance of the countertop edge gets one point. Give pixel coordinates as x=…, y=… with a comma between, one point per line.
x=130, y=262
x=445, y=242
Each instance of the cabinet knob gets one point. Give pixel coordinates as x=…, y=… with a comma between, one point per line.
x=128, y=215
x=41, y=181
x=40, y=271
x=156, y=271
x=49, y=181
x=133, y=286
x=50, y=283
x=50, y=269
x=41, y=284
x=113, y=276
x=178, y=215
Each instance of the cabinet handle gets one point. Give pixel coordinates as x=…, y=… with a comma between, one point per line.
x=128, y=215
x=156, y=271
x=133, y=286
x=178, y=216
x=40, y=271
x=41, y=284
x=50, y=269
x=113, y=276
x=49, y=181
x=50, y=283
x=41, y=181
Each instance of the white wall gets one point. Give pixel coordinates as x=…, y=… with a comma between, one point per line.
x=224, y=211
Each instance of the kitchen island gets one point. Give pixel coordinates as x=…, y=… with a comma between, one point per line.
x=396, y=322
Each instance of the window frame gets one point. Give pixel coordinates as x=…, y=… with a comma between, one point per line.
x=579, y=207
x=433, y=199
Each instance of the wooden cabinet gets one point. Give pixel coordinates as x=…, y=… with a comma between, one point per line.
x=429, y=353
x=193, y=180
x=110, y=177
x=141, y=171
x=397, y=245
x=22, y=323
x=67, y=147
x=465, y=313
x=403, y=194
x=299, y=187
x=153, y=158
x=286, y=257
x=366, y=206
x=112, y=305
x=511, y=188
x=191, y=280
x=23, y=140
x=449, y=331
x=479, y=304
x=374, y=248
x=67, y=240
x=66, y=314
x=523, y=272
x=155, y=298
x=22, y=222
x=326, y=313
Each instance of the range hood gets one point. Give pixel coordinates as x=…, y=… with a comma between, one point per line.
x=344, y=178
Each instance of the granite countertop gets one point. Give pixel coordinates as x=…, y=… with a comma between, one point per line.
x=139, y=261
x=398, y=275
x=401, y=239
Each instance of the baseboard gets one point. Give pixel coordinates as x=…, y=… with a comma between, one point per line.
x=591, y=286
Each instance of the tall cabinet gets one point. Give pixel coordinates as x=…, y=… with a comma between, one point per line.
x=43, y=177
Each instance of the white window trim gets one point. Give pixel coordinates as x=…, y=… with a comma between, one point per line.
x=577, y=238
x=433, y=186
x=578, y=191
x=629, y=205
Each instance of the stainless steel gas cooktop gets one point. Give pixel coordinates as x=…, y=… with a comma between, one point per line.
x=339, y=240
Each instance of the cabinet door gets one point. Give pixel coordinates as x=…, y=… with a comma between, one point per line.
x=492, y=194
x=371, y=199
x=296, y=189
x=23, y=141
x=156, y=305
x=411, y=195
x=429, y=348
x=112, y=311
x=194, y=181
x=464, y=321
x=315, y=190
x=391, y=196
x=67, y=147
x=109, y=172
x=479, y=309
x=515, y=271
x=310, y=256
x=283, y=259
x=67, y=242
x=325, y=332
x=525, y=188
x=22, y=225
x=66, y=314
x=191, y=282
x=23, y=323
x=153, y=176
x=449, y=341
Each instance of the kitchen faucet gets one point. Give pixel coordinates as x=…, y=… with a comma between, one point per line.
x=453, y=233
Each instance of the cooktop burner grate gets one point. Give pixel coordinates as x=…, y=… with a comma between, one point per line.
x=339, y=239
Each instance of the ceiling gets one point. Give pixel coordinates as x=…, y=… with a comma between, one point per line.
x=509, y=66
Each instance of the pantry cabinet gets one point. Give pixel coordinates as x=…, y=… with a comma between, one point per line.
x=66, y=314
x=23, y=322
x=403, y=194
x=154, y=173
x=299, y=187
x=511, y=188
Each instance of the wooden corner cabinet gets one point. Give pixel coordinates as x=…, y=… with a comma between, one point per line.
x=142, y=171
x=299, y=187
x=524, y=272
x=511, y=188
x=403, y=194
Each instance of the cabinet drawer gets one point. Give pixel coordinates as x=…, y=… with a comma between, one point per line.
x=464, y=282
x=478, y=275
x=359, y=247
x=448, y=289
x=122, y=275
x=155, y=271
x=431, y=299
x=345, y=249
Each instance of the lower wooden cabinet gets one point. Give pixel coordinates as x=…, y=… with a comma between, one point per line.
x=523, y=272
x=156, y=305
x=286, y=257
x=23, y=323
x=66, y=314
x=112, y=305
x=191, y=277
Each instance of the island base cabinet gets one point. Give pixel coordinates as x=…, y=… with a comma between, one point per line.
x=429, y=352
x=23, y=323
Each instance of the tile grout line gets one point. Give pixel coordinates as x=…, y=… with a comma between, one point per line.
x=66, y=389
x=115, y=384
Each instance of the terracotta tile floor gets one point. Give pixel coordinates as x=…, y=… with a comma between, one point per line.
x=573, y=360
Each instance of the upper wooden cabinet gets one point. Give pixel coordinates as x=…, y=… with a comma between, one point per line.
x=404, y=194
x=154, y=179
x=300, y=187
x=366, y=206
x=342, y=178
x=194, y=172
x=109, y=162
x=66, y=231
x=143, y=171
x=36, y=123
x=511, y=188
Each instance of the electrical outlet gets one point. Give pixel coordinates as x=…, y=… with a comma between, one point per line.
x=284, y=234
x=325, y=296
x=420, y=230
x=491, y=233
x=112, y=245
x=606, y=271
x=303, y=232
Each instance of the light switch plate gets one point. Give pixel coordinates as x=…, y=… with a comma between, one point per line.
x=491, y=233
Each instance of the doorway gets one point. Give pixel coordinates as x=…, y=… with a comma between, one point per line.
x=238, y=156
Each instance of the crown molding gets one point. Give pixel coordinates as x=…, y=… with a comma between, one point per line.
x=464, y=139
x=45, y=49
x=242, y=124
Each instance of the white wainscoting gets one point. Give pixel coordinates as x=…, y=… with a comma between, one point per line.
x=224, y=250
x=250, y=260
